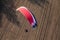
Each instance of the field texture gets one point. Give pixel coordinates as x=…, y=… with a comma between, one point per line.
x=13, y=24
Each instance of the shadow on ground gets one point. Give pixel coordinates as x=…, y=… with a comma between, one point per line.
x=7, y=8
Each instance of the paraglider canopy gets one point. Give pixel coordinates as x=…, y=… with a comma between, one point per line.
x=28, y=15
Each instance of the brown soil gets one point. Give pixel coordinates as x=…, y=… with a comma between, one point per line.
x=13, y=24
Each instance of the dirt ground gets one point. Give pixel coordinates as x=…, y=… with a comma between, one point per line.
x=47, y=13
